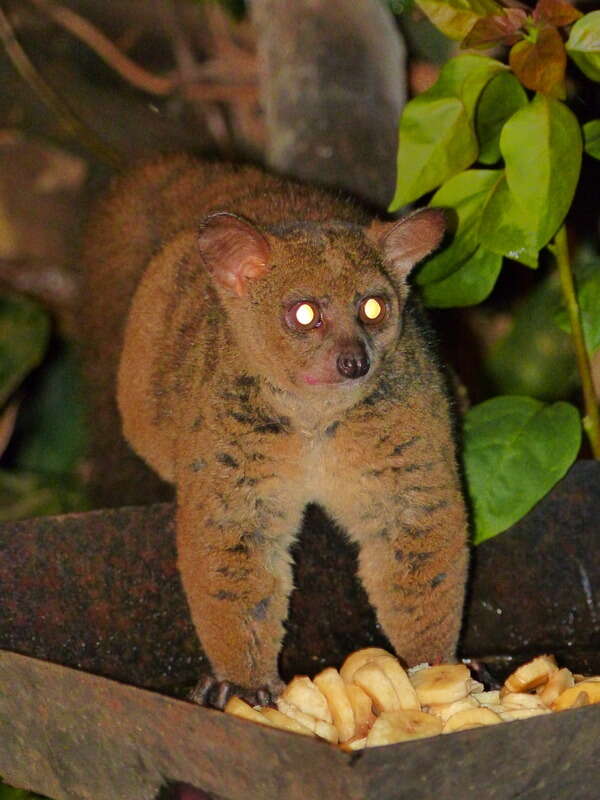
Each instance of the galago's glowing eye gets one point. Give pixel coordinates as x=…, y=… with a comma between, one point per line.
x=372, y=310
x=304, y=316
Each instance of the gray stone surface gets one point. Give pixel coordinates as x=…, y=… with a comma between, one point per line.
x=333, y=84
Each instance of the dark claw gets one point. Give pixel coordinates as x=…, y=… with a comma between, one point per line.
x=221, y=693
x=264, y=697
x=214, y=693
x=199, y=694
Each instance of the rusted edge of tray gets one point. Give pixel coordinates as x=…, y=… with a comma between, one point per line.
x=69, y=734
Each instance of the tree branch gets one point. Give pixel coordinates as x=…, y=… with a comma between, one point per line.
x=211, y=90
x=69, y=119
x=591, y=420
x=103, y=47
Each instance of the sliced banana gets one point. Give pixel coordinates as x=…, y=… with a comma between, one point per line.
x=570, y=697
x=467, y=727
x=445, y=710
x=362, y=706
x=557, y=683
x=400, y=726
x=471, y=718
x=521, y=700
x=491, y=698
x=333, y=688
x=355, y=744
x=305, y=695
x=284, y=722
x=497, y=709
x=342, y=707
x=534, y=673
x=324, y=730
x=475, y=687
x=358, y=659
x=391, y=668
x=582, y=699
x=373, y=680
x=522, y=713
x=238, y=708
x=441, y=684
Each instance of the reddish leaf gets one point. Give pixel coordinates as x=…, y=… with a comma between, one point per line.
x=541, y=65
x=555, y=12
x=496, y=29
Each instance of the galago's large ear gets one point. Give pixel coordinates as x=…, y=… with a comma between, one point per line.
x=406, y=242
x=233, y=250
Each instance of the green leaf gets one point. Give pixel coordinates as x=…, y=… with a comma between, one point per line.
x=499, y=100
x=10, y=793
x=591, y=136
x=455, y=18
x=516, y=449
x=51, y=432
x=465, y=77
x=437, y=138
x=26, y=494
x=506, y=227
x=469, y=284
x=583, y=44
x=436, y=142
x=24, y=329
x=462, y=273
x=542, y=148
x=514, y=221
x=487, y=215
x=466, y=194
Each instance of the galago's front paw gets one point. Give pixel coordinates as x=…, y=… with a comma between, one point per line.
x=213, y=693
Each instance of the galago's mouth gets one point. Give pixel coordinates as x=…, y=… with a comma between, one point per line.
x=313, y=380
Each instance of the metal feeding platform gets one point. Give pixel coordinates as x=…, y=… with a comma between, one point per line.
x=98, y=650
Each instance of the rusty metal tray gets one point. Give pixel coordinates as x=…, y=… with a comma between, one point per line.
x=74, y=735
x=97, y=594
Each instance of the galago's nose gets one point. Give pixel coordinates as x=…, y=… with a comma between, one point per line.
x=353, y=362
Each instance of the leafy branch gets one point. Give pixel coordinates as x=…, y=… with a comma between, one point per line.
x=503, y=153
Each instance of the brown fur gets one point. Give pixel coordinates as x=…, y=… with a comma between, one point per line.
x=251, y=420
